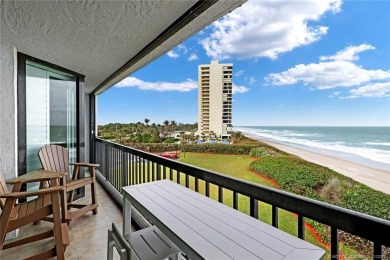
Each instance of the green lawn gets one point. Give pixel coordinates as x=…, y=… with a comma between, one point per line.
x=233, y=165
x=237, y=166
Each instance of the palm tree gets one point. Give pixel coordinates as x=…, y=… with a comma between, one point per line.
x=146, y=120
x=138, y=126
x=236, y=136
x=240, y=135
x=192, y=138
x=212, y=135
x=173, y=125
x=166, y=124
x=233, y=137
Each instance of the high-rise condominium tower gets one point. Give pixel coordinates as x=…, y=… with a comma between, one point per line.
x=215, y=99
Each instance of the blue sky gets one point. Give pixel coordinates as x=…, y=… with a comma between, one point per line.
x=295, y=63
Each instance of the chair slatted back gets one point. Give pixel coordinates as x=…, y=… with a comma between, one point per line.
x=3, y=189
x=54, y=158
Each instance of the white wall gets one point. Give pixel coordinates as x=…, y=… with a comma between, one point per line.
x=8, y=117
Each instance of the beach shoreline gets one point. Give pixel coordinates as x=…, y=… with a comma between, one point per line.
x=375, y=178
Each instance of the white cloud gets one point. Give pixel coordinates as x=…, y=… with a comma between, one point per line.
x=335, y=94
x=185, y=86
x=193, y=57
x=172, y=54
x=239, y=73
x=183, y=48
x=252, y=80
x=180, y=51
x=330, y=74
x=375, y=90
x=239, y=89
x=349, y=53
x=267, y=28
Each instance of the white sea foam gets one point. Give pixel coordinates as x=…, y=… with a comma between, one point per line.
x=378, y=143
x=337, y=148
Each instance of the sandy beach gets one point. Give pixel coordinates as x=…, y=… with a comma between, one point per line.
x=372, y=177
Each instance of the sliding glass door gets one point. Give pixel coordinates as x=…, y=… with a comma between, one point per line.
x=50, y=111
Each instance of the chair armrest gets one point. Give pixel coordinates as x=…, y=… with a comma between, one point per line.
x=35, y=176
x=91, y=166
x=25, y=194
x=85, y=164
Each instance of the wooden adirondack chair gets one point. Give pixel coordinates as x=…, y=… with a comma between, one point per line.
x=55, y=158
x=16, y=215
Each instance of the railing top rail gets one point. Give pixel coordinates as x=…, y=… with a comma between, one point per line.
x=357, y=223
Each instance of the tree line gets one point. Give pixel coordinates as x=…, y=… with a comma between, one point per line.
x=143, y=132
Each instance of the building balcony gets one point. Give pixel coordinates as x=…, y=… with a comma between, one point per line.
x=117, y=169
x=120, y=166
x=123, y=166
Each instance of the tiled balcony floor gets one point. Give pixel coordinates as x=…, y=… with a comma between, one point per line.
x=88, y=234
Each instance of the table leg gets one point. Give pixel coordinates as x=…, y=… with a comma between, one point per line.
x=126, y=217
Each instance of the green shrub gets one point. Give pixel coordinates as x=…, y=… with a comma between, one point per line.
x=155, y=147
x=218, y=148
x=264, y=151
x=294, y=174
x=364, y=199
x=196, y=148
x=171, y=140
x=311, y=180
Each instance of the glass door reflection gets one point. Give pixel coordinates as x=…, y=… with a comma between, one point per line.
x=50, y=111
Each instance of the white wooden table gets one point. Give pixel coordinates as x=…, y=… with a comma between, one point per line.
x=206, y=229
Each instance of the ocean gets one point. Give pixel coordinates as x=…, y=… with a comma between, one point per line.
x=368, y=146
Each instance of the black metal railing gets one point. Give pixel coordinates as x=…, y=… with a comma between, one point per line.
x=124, y=166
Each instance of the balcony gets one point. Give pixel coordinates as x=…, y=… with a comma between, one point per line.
x=123, y=166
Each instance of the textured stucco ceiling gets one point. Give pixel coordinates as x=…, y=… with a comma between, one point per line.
x=96, y=38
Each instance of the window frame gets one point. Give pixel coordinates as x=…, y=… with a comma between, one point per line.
x=21, y=112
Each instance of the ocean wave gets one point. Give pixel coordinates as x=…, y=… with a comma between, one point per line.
x=338, y=148
x=286, y=133
x=378, y=143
